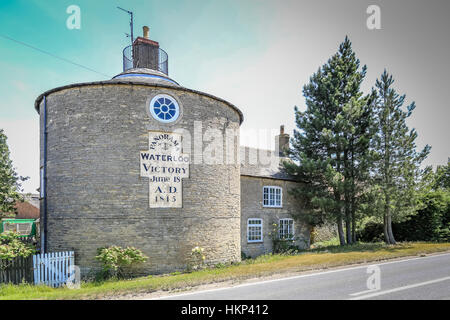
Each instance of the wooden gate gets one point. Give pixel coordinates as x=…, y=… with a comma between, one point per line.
x=17, y=270
x=54, y=268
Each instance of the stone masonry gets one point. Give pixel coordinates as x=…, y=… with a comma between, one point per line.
x=98, y=168
x=252, y=207
x=95, y=195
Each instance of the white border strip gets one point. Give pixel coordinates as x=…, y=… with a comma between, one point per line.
x=379, y=293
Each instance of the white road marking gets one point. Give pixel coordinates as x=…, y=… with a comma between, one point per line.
x=379, y=293
x=294, y=277
x=363, y=292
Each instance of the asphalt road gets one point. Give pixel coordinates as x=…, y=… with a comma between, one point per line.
x=415, y=278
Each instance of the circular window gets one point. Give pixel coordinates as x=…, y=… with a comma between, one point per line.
x=164, y=108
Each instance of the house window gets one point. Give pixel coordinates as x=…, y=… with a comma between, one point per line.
x=286, y=230
x=272, y=197
x=164, y=108
x=22, y=228
x=254, y=230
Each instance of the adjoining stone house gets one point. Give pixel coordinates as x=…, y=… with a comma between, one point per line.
x=267, y=208
x=139, y=160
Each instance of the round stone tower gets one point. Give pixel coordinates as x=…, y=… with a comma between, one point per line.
x=140, y=161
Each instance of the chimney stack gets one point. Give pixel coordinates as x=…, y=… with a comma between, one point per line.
x=146, y=31
x=145, y=52
x=282, y=143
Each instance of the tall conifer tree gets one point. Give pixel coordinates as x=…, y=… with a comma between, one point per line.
x=397, y=168
x=331, y=143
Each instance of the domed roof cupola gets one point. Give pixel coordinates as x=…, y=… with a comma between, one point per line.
x=145, y=61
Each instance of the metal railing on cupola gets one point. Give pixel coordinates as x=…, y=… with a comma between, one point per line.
x=144, y=56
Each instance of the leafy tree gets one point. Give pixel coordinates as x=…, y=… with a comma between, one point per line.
x=431, y=222
x=442, y=177
x=10, y=182
x=397, y=165
x=330, y=147
x=11, y=247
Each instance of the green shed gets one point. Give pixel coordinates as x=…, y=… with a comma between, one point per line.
x=24, y=227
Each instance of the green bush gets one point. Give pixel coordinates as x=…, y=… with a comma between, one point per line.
x=372, y=232
x=431, y=223
x=220, y=265
x=244, y=256
x=197, y=259
x=11, y=247
x=119, y=262
x=283, y=246
x=323, y=233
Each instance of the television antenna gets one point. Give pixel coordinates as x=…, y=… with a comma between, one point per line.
x=131, y=24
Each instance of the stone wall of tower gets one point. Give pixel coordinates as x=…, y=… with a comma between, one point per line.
x=96, y=196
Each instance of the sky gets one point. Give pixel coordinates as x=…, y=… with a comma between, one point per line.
x=256, y=54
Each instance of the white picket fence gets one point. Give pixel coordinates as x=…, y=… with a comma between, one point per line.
x=54, y=268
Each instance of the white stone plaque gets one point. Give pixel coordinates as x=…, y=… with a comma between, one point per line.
x=165, y=165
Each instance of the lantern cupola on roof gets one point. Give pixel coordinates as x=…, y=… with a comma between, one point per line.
x=145, y=61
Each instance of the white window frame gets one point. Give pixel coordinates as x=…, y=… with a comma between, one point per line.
x=254, y=224
x=292, y=231
x=274, y=205
x=172, y=100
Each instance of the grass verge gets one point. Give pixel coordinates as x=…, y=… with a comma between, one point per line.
x=319, y=258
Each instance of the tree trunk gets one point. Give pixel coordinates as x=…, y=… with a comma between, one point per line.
x=348, y=221
x=348, y=226
x=353, y=221
x=353, y=193
x=388, y=235
x=389, y=229
x=340, y=231
x=387, y=178
x=385, y=229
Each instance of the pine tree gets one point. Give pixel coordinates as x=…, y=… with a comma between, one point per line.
x=10, y=182
x=397, y=168
x=330, y=146
x=359, y=130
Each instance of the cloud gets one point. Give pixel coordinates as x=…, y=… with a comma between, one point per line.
x=20, y=85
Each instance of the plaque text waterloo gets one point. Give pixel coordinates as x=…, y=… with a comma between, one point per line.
x=165, y=166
